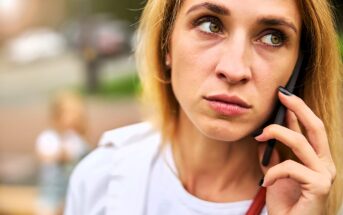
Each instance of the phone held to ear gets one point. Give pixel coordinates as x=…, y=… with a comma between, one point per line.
x=281, y=110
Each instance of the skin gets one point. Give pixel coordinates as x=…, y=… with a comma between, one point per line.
x=233, y=54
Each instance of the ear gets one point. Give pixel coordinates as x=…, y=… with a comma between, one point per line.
x=168, y=60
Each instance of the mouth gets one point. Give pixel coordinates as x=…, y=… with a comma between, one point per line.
x=233, y=100
x=228, y=105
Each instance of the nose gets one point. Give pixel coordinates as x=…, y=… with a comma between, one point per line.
x=234, y=64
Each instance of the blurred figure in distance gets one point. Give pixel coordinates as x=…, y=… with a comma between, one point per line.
x=59, y=149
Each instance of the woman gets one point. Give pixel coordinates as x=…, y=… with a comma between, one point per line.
x=211, y=69
x=59, y=148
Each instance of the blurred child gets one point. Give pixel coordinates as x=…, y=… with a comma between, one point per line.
x=59, y=148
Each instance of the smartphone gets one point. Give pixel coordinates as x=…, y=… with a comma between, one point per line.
x=280, y=110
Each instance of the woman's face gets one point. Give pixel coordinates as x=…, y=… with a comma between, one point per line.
x=227, y=60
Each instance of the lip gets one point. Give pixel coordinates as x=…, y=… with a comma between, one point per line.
x=235, y=100
x=227, y=105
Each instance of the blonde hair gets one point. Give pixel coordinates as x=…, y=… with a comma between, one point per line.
x=68, y=105
x=153, y=37
x=322, y=83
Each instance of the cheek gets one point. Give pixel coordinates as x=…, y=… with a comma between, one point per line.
x=272, y=72
x=191, y=66
x=269, y=74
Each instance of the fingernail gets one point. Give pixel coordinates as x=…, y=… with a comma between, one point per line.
x=261, y=182
x=260, y=137
x=284, y=91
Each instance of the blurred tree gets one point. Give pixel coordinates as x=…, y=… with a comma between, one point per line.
x=129, y=10
x=86, y=13
x=338, y=5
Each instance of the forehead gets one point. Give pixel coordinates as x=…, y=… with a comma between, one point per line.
x=247, y=9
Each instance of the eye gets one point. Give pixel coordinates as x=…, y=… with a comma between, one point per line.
x=209, y=24
x=273, y=39
x=210, y=27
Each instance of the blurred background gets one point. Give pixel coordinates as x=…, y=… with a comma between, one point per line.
x=67, y=74
x=49, y=48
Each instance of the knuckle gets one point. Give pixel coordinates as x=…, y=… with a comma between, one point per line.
x=332, y=173
x=273, y=129
x=318, y=125
x=324, y=186
x=325, y=181
x=270, y=129
x=272, y=171
x=287, y=164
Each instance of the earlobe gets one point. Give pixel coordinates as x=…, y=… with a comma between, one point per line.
x=168, y=60
x=167, y=68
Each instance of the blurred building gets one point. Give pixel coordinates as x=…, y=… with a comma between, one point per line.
x=18, y=15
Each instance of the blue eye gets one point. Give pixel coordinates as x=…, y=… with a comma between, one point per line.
x=209, y=24
x=273, y=39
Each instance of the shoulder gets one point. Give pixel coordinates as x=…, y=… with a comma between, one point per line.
x=117, y=149
x=126, y=135
x=114, y=144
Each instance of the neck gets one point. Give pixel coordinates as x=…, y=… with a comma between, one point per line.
x=216, y=170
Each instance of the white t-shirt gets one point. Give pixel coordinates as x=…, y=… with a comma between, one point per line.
x=50, y=143
x=127, y=175
x=167, y=196
x=54, y=175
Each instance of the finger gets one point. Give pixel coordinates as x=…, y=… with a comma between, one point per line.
x=310, y=180
x=295, y=141
x=288, y=169
x=315, y=129
x=292, y=121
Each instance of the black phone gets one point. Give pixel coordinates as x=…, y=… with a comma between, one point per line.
x=281, y=110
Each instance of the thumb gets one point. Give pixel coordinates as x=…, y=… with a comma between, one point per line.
x=274, y=159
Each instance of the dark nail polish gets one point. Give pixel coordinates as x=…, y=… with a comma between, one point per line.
x=284, y=91
x=261, y=182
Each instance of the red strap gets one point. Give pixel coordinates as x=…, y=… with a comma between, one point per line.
x=258, y=202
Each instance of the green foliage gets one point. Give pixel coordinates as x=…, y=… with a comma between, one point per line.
x=124, y=86
x=128, y=10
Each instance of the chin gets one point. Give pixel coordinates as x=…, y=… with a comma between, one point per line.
x=228, y=132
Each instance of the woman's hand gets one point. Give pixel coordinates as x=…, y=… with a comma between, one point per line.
x=298, y=188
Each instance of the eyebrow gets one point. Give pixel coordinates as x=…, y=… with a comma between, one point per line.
x=277, y=22
x=221, y=10
x=212, y=7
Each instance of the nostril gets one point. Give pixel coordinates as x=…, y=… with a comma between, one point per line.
x=232, y=79
x=221, y=76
